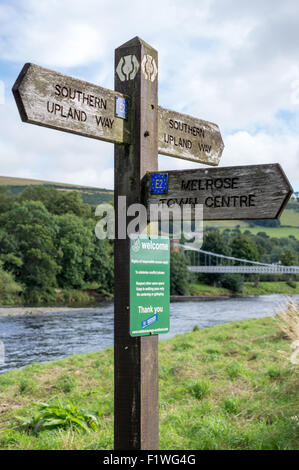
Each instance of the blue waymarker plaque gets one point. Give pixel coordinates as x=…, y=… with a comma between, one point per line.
x=121, y=107
x=159, y=183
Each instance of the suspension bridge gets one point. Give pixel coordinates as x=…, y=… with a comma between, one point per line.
x=201, y=261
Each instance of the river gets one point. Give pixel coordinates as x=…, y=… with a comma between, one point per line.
x=48, y=336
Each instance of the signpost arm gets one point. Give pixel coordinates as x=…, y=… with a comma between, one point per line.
x=135, y=359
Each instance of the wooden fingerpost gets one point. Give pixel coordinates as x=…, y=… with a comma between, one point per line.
x=135, y=359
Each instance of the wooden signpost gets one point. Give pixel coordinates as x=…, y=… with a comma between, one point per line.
x=64, y=103
x=185, y=137
x=136, y=416
x=130, y=118
x=238, y=192
x=54, y=100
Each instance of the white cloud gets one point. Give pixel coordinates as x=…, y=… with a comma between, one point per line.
x=243, y=148
x=51, y=33
x=233, y=63
x=36, y=152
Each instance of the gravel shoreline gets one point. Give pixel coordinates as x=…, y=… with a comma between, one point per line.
x=7, y=311
x=16, y=311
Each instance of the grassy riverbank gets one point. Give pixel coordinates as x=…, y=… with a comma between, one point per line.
x=227, y=387
x=62, y=297
x=249, y=288
x=90, y=297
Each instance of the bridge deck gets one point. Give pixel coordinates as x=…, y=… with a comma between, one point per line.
x=276, y=269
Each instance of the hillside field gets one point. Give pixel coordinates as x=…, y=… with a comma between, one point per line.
x=289, y=225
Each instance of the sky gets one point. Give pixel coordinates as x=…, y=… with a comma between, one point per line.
x=232, y=62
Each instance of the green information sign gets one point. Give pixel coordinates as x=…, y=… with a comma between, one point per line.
x=149, y=285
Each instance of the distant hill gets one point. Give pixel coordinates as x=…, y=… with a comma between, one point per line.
x=289, y=223
x=90, y=195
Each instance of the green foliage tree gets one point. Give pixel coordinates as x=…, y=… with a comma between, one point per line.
x=244, y=247
x=102, y=266
x=234, y=282
x=71, y=203
x=215, y=242
x=289, y=258
x=48, y=196
x=34, y=230
x=57, y=202
x=75, y=247
x=8, y=285
x=9, y=251
x=6, y=199
x=179, y=274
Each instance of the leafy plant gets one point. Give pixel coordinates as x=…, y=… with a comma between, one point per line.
x=200, y=389
x=62, y=415
x=233, y=370
x=231, y=405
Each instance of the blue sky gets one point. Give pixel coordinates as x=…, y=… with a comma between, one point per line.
x=232, y=62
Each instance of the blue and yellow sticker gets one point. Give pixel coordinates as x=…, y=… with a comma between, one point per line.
x=121, y=107
x=159, y=183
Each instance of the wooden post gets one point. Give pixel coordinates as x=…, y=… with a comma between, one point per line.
x=135, y=359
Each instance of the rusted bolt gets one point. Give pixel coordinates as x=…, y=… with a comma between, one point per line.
x=146, y=134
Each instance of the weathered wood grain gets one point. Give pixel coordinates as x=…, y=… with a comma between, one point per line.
x=54, y=100
x=50, y=99
x=228, y=193
x=189, y=138
x=136, y=414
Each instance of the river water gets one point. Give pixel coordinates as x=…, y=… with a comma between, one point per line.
x=49, y=336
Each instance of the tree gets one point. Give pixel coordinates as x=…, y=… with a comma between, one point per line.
x=48, y=196
x=75, y=246
x=34, y=230
x=9, y=251
x=102, y=265
x=56, y=201
x=179, y=274
x=234, y=282
x=71, y=203
x=244, y=247
x=6, y=199
x=215, y=242
x=289, y=258
x=8, y=285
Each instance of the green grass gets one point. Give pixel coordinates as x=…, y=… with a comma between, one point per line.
x=263, y=288
x=290, y=217
x=274, y=232
x=289, y=225
x=226, y=387
x=206, y=290
x=222, y=224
